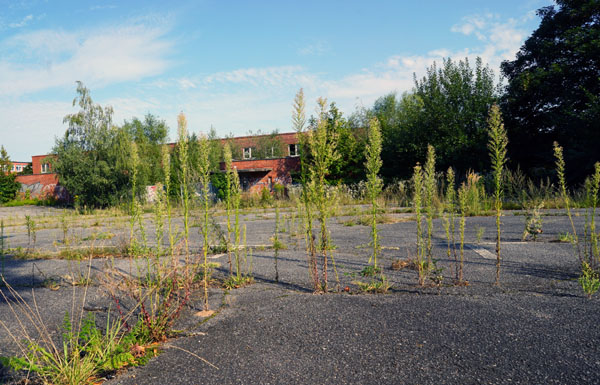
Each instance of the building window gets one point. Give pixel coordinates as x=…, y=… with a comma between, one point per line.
x=293, y=149
x=19, y=168
x=247, y=153
x=45, y=168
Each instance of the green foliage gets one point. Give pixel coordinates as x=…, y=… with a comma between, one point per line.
x=418, y=186
x=589, y=280
x=430, y=185
x=374, y=182
x=8, y=183
x=448, y=109
x=93, y=158
x=85, y=353
x=322, y=143
x=462, y=204
x=553, y=90
x=497, y=147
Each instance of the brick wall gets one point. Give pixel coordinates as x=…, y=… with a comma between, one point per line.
x=278, y=169
x=42, y=185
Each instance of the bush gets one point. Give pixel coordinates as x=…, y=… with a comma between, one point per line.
x=8, y=187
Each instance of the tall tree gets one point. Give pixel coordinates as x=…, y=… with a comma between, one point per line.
x=93, y=156
x=448, y=109
x=8, y=184
x=553, y=91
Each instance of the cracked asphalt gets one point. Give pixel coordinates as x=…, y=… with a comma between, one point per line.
x=537, y=327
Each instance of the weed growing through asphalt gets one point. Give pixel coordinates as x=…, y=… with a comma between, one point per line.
x=479, y=234
x=497, y=143
x=533, y=221
x=2, y=256
x=449, y=220
x=462, y=204
x=324, y=154
x=430, y=190
x=374, y=185
x=83, y=354
x=589, y=279
x=185, y=181
x=31, y=232
x=299, y=121
x=418, y=205
x=277, y=244
x=589, y=257
x=166, y=167
x=204, y=179
x=228, y=159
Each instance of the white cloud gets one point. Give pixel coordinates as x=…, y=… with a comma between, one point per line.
x=316, y=49
x=32, y=127
x=49, y=58
x=22, y=23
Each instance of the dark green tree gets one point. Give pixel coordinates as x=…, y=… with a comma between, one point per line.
x=553, y=91
x=149, y=135
x=92, y=158
x=448, y=109
x=8, y=184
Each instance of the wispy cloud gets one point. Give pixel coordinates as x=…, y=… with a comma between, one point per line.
x=316, y=49
x=22, y=23
x=102, y=7
x=44, y=59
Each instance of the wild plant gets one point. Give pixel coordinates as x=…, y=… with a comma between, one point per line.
x=589, y=279
x=2, y=256
x=374, y=183
x=166, y=166
x=133, y=206
x=562, y=185
x=591, y=237
x=498, y=140
x=204, y=179
x=84, y=353
x=64, y=224
x=533, y=220
x=450, y=217
x=298, y=122
x=462, y=204
x=417, y=180
x=588, y=257
x=227, y=157
x=182, y=144
x=430, y=190
x=277, y=245
x=31, y=231
x=323, y=150
x=159, y=224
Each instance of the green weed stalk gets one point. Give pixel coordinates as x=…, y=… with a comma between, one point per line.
x=204, y=178
x=463, y=192
x=417, y=181
x=299, y=122
x=498, y=140
x=323, y=150
x=374, y=183
x=430, y=190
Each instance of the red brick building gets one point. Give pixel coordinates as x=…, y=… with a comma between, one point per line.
x=264, y=160
x=17, y=167
x=261, y=161
x=43, y=182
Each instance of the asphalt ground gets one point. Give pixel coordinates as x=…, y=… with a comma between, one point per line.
x=537, y=327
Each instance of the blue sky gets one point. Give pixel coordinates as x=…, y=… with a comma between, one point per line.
x=235, y=65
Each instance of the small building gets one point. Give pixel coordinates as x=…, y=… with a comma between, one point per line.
x=18, y=167
x=264, y=160
x=43, y=183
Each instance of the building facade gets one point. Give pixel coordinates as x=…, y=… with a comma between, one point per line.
x=262, y=161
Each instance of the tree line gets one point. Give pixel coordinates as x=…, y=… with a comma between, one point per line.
x=551, y=94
